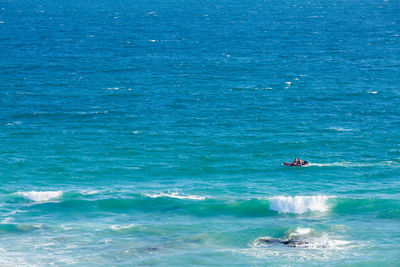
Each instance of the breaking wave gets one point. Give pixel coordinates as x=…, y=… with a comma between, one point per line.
x=299, y=204
x=199, y=206
x=41, y=196
x=300, y=232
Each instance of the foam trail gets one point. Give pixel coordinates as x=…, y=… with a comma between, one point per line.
x=40, y=196
x=355, y=164
x=175, y=195
x=299, y=204
x=336, y=164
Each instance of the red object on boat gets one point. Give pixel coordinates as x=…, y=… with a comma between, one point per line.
x=295, y=164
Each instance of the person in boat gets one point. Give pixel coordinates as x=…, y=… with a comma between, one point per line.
x=295, y=161
x=299, y=161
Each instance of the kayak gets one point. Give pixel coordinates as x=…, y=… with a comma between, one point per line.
x=295, y=164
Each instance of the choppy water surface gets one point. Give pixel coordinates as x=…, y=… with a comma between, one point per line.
x=153, y=132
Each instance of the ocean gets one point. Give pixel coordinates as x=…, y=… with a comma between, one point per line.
x=152, y=133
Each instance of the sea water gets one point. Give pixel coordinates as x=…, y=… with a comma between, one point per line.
x=152, y=133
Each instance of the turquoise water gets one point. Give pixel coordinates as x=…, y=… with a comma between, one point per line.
x=152, y=133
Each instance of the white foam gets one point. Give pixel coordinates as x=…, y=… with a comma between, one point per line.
x=340, y=164
x=325, y=242
x=14, y=123
x=121, y=227
x=356, y=164
x=40, y=196
x=299, y=204
x=340, y=129
x=175, y=195
x=7, y=220
x=306, y=240
x=300, y=232
x=131, y=168
x=90, y=192
x=66, y=227
x=323, y=249
x=8, y=217
x=316, y=243
x=373, y=92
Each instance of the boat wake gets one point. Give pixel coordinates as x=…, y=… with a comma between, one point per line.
x=348, y=164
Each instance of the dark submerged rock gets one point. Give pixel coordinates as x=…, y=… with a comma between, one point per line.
x=291, y=242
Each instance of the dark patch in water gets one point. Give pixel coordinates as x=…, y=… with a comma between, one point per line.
x=151, y=249
x=291, y=242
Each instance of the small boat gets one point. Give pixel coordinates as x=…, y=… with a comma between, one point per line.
x=305, y=163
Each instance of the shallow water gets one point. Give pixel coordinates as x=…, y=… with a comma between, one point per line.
x=153, y=132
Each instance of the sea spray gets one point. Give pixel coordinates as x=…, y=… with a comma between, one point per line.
x=299, y=204
x=40, y=196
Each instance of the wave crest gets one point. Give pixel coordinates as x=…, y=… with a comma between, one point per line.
x=40, y=196
x=300, y=232
x=174, y=195
x=299, y=204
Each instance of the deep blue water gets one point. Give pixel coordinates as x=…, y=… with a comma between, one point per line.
x=153, y=132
